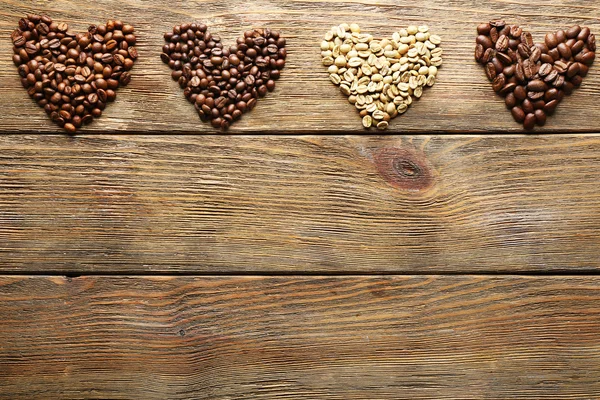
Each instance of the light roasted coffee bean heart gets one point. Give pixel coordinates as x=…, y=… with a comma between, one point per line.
x=381, y=77
x=73, y=76
x=223, y=83
x=534, y=77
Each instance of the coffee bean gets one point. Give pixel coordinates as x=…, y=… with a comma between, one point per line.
x=490, y=70
x=551, y=40
x=565, y=51
x=504, y=58
x=550, y=106
x=502, y=43
x=583, y=34
x=536, y=85
x=485, y=41
x=573, y=31
x=498, y=83
x=573, y=70
x=520, y=93
x=479, y=51
x=518, y=114
x=529, y=122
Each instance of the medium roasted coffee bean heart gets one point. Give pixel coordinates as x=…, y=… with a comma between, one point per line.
x=381, y=77
x=73, y=76
x=534, y=78
x=223, y=83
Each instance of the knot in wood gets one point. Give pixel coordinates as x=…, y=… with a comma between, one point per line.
x=406, y=169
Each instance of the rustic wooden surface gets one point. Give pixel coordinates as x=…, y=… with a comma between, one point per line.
x=414, y=337
x=417, y=222
x=112, y=203
x=305, y=101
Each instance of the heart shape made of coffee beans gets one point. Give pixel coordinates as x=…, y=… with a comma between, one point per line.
x=534, y=77
x=223, y=83
x=73, y=76
x=381, y=77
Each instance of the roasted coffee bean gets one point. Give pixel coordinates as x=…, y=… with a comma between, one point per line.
x=518, y=114
x=536, y=85
x=565, y=51
x=504, y=58
x=551, y=40
x=550, y=106
x=502, y=43
x=529, y=122
x=498, y=83
x=545, y=70
x=510, y=100
x=485, y=41
x=520, y=93
x=59, y=69
x=479, y=51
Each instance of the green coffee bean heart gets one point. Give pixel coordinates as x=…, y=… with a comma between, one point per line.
x=73, y=76
x=381, y=77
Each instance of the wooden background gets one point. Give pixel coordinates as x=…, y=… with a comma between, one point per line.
x=297, y=256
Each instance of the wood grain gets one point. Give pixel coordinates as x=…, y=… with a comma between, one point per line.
x=424, y=337
x=305, y=204
x=305, y=101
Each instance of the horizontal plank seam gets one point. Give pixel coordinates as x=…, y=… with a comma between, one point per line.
x=75, y=274
x=311, y=133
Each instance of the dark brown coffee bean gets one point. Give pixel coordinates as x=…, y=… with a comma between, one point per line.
x=535, y=55
x=559, y=81
x=540, y=117
x=534, y=96
x=479, y=51
x=545, y=70
x=551, y=40
x=484, y=29
x=518, y=114
x=527, y=106
x=510, y=100
x=498, y=65
x=550, y=94
x=485, y=41
x=536, y=85
x=516, y=32
x=520, y=93
x=509, y=71
x=588, y=58
x=573, y=70
x=520, y=73
x=577, y=47
x=498, y=83
x=551, y=77
x=564, y=50
x=573, y=31
x=583, y=34
x=502, y=43
x=488, y=55
x=527, y=39
x=523, y=50
x=591, y=42
x=504, y=58
x=529, y=122
x=133, y=53
x=508, y=88
x=529, y=69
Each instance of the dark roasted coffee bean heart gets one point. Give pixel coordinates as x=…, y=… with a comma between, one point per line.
x=73, y=76
x=534, y=78
x=223, y=83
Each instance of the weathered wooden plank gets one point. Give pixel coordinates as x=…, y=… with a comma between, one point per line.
x=424, y=337
x=299, y=204
x=305, y=101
